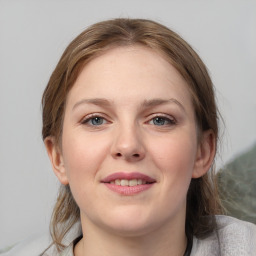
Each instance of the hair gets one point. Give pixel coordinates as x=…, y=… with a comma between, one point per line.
x=202, y=197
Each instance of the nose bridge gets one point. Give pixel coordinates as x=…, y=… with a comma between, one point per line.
x=128, y=141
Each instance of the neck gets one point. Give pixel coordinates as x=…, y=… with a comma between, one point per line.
x=162, y=242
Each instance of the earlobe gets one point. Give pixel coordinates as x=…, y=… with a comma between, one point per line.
x=56, y=159
x=205, y=154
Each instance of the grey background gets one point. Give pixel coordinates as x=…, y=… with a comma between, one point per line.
x=33, y=35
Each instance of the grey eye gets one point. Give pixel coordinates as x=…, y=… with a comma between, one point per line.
x=96, y=120
x=161, y=121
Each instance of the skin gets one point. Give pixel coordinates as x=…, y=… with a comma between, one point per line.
x=121, y=133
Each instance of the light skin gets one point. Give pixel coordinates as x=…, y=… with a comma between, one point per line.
x=130, y=111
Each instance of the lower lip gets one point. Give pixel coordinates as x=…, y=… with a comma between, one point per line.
x=128, y=191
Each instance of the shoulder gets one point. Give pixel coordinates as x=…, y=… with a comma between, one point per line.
x=33, y=245
x=38, y=246
x=236, y=237
x=41, y=245
x=227, y=223
x=232, y=237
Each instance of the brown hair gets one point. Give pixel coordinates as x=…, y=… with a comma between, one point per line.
x=202, y=198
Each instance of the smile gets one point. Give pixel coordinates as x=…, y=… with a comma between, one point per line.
x=128, y=183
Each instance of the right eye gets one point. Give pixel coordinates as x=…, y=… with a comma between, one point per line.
x=94, y=121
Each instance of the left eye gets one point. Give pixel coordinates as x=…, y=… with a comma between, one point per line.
x=95, y=121
x=160, y=121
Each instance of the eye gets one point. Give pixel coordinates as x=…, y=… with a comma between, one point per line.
x=94, y=121
x=162, y=121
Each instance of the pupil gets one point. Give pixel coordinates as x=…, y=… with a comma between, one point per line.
x=159, y=121
x=97, y=120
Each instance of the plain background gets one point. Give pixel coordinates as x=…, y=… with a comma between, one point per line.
x=33, y=35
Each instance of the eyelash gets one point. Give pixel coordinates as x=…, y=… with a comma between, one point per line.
x=91, y=117
x=168, y=121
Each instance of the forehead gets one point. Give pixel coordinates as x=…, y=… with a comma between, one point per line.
x=128, y=72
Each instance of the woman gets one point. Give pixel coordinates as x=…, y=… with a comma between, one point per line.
x=130, y=125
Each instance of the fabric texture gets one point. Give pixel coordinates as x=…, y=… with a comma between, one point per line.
x=233, y=237
x=237, y=185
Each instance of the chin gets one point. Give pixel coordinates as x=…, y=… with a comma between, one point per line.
x=129, y=229
x=130, y=223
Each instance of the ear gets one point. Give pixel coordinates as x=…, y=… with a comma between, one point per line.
x=205, y=154
x=56, y=159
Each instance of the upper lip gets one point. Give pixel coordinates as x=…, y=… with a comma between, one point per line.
x=127, y=176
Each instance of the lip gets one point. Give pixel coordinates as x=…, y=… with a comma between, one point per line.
x=127, y=176
x=128, y=190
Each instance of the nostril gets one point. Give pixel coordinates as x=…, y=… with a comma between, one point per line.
x=128, y=156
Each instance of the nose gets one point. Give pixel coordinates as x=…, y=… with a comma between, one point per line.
x=128, y=145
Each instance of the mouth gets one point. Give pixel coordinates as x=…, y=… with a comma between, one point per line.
x=128, y=179
x=128, y=183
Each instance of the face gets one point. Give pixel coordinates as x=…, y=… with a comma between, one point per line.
x=129, y=143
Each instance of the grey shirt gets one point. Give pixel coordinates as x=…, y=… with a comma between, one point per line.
x=233, y=237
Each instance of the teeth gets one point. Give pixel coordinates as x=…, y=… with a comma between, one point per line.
x=131, y=183
x=117, y=182
x=124, y=182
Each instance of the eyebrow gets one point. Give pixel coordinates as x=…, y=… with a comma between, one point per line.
x=146, y=103
x=157, y=102
x=97, y=101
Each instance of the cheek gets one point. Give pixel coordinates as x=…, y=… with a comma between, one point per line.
x=83, y=156
x=175, y=157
